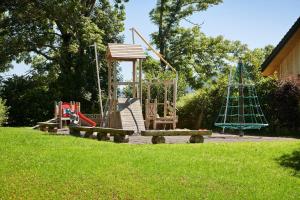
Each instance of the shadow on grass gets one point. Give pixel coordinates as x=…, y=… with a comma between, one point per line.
x=291, y=161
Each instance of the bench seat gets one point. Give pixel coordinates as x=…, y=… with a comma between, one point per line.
x=158, y=135
x=48, y=126
x=102, y=133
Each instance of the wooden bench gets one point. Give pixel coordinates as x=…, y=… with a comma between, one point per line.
x=75, y=131
x=120, y=135
x=158, y=135
x=48, y=126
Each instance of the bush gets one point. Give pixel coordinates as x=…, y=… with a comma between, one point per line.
x=200, y=109
x=3, y=112
x=279, y=102
x=29, y=100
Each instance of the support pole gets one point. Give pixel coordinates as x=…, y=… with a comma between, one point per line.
x=241, y=98
x=175, y=100
x=140, y=81
x=134, y=79
x=115, y=84
x=227, y=98
x=109, y=92
x=165, y=99
x=98, y=79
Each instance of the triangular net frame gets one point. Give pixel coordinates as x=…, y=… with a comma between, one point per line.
x=241, y=109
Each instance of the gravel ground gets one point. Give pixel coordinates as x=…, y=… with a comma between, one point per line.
x=216, y=137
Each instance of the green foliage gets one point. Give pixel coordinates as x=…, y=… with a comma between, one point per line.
x=55, y=36
x=41, y=166
x=3, y=112
x=280, y=103
x=200, y=59
x=29, y=100
x=200, y=109
x=168, y=14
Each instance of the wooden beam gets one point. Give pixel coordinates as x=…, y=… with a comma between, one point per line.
x=127, y=83
x=175, y=132
x=133, y=79
x=113, y=131
x=109, y=92
x=140, y=81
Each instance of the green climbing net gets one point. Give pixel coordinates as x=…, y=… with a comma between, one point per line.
x=241, y=109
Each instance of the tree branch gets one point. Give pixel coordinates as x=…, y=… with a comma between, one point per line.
x=39, y=52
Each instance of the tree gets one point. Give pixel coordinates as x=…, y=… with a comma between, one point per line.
x=55, y=36
x=199, y=59
x=169, y=13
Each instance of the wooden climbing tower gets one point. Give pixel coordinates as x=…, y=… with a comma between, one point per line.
x=135, y=54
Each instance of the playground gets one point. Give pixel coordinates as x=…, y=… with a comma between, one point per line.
x=165, y=99
x=124, y=116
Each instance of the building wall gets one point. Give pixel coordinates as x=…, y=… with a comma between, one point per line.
x=289, y=68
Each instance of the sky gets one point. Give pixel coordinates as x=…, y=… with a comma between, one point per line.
x=256, y=23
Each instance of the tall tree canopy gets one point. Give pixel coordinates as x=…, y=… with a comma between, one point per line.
x=169, y=13
x=54, y=36
x=199, y=59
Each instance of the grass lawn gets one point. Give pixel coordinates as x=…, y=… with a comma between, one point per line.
x=34, y=165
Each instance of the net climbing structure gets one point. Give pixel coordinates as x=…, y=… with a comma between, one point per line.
x=241, y=109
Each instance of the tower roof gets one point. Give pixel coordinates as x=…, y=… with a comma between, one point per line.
x=125, y=52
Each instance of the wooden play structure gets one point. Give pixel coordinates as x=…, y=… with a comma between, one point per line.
x=126, y=113
x=123, y=116
x=169, y=107
x=63, y=112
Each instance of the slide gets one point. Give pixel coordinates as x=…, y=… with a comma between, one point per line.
x=87, y=120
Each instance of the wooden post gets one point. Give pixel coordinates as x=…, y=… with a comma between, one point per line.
x=109, y=91
x=154, y=120
x=149, y=92
x=77, y=104
x=165, y=99
x=133, y=79
x=98, y=80
x=174, y=100
x=241, y=116
x=60, y=114
x=55, y=109
x=147, y=121
x=115, y=84
x=140, y=82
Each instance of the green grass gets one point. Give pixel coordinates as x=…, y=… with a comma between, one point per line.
x=34, y=165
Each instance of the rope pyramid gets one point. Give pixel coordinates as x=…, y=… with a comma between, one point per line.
x=241, y=109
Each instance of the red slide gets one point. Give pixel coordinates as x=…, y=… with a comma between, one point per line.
x=87, y=120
